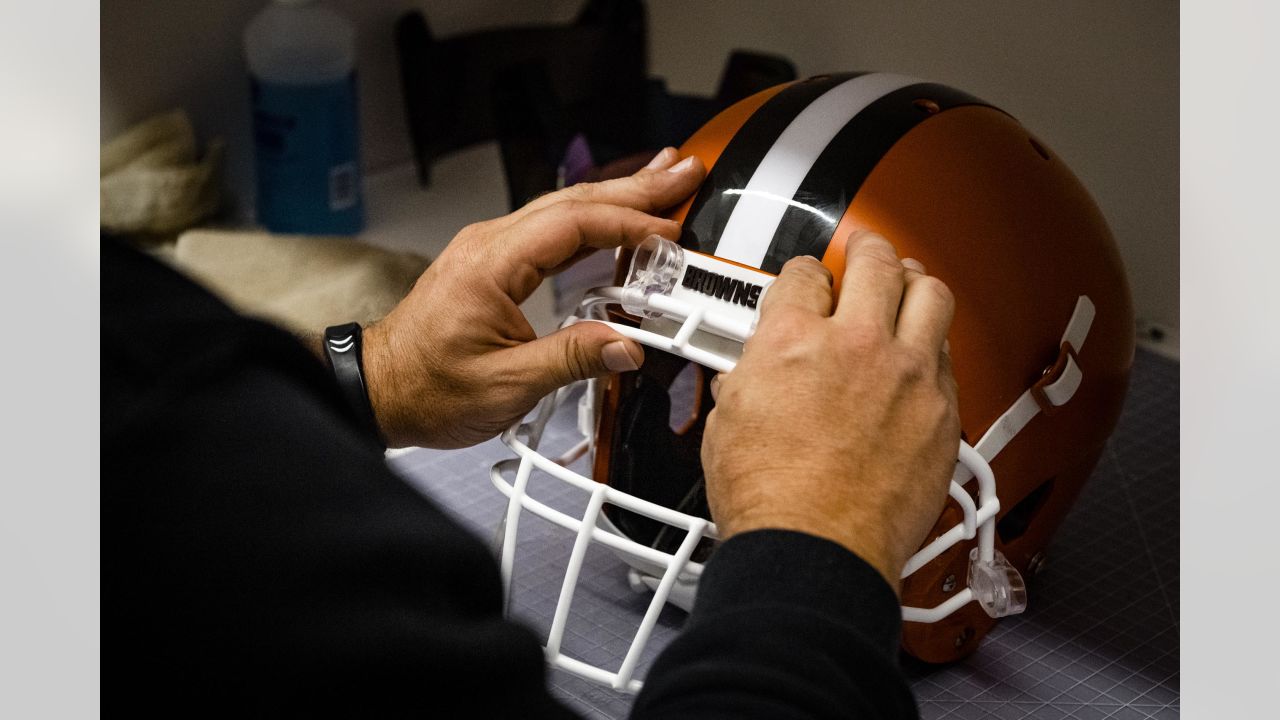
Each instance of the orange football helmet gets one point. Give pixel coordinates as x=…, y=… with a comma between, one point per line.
x=1041, y=343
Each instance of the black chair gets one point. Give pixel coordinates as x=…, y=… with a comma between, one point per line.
x=535, y=88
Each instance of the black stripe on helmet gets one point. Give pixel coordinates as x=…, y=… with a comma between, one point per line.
x=828, y=188
x=711, y=208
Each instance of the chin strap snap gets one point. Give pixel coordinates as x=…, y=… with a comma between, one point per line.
x=996, y=585
x=993, y=582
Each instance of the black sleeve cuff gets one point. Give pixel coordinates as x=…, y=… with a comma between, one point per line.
x=786, y=625
x=805, y=572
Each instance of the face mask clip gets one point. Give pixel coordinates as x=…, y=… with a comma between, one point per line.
x=694, y=305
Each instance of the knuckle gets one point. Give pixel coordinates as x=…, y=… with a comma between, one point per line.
x=870, y=242
x=944, y=411
x=570, y=205
x=939, y=289
x=542, y=198
x=647, y=180
x=577, y=359
x=471, y=241
x=877, y=253
x=564, y=212
x=914, y=364
x=808, y=268
x=650, y=189
x=949, y=385
x=863, y=340
x=781, y=322
x=469, y=232
x=883, y=260
x=944, y=368
x=800, y=263
x=580, y=191
x=785, y=346
x=728, y=399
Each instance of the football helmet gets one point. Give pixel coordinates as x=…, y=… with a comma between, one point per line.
x=1041, y=343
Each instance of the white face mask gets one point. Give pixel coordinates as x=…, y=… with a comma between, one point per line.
x=703, y=309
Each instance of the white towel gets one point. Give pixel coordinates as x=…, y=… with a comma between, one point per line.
x=304, y=283
x=153, y=183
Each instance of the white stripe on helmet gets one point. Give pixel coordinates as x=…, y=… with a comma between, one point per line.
x=751, y=227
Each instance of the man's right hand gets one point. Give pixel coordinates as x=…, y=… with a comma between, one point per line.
x=840, y=420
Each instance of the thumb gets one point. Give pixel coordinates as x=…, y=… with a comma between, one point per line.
x=582, y=350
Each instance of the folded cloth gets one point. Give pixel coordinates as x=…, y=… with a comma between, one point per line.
x=153, y=182
x=304, y=283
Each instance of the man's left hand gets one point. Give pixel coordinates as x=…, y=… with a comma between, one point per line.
x=456, y=362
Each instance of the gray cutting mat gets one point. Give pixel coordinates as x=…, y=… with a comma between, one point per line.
x=1099, y=639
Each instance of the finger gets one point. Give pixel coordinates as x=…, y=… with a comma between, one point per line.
x=873, y=282
x=582, y=254
x=803, y=284
x=913, y=269
x=660, y=185
x=549, y=238
x=582, y=350
x=926, y=312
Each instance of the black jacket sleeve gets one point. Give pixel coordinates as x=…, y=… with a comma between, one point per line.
x=263, y=561
x=786, y=625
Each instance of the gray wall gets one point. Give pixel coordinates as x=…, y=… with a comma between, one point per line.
x=161, y=54
x=1097, y=80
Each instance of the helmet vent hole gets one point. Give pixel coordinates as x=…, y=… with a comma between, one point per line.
x=686, y=394
x=1018, y=519
x=1040, y=149
x=927, y=106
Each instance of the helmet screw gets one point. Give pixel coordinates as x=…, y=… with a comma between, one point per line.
x=949, y=584
x=1036, y=564
x=964, y=636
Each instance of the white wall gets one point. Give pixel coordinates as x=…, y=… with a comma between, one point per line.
x=1096, y=79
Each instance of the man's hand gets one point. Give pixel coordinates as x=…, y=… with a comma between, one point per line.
x=456, y=362
x=840, y=424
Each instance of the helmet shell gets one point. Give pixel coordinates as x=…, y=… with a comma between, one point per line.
x=968, y=191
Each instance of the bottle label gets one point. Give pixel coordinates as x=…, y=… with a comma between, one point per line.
x=307, y=144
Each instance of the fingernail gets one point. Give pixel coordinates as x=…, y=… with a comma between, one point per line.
x=913, y=264
x=616, y=357
x=658, y=160
x=946, y=346
x=681, y=166
x=715, y=387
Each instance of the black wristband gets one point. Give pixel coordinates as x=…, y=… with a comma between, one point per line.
x=343, y=347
